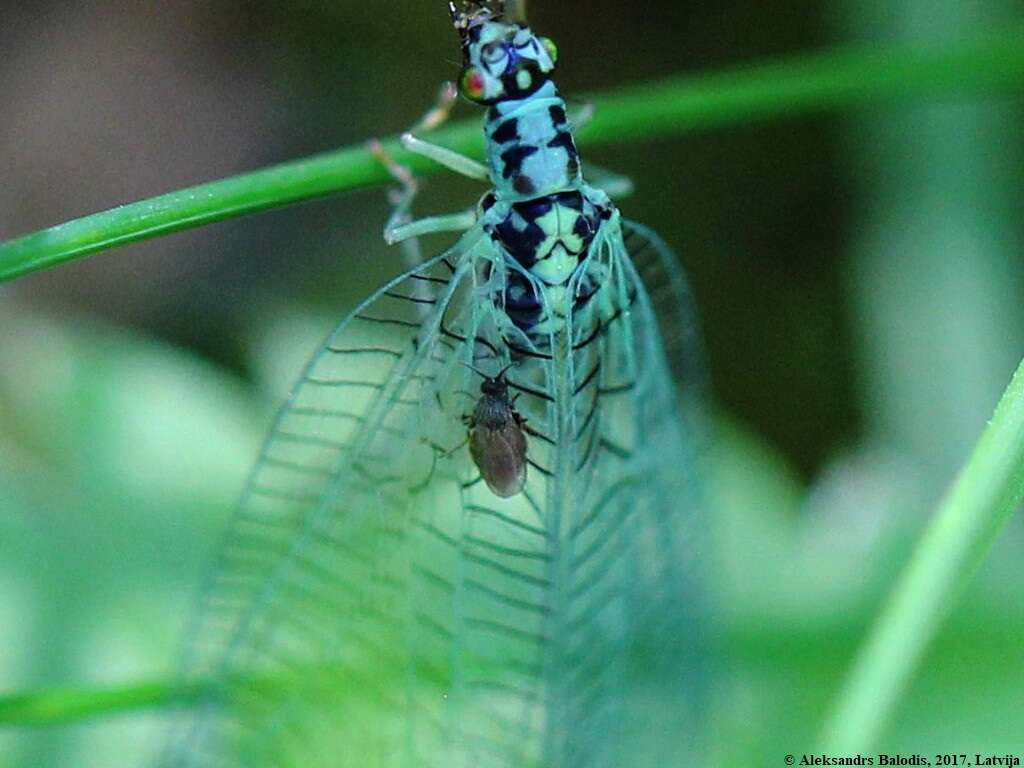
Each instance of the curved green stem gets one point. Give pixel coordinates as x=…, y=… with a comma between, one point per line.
x=984, y=496
x=64, y=705
x=668, y=107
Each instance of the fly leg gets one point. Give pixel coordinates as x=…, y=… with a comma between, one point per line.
x=439, y=452
x=524, y=423
x=447, y=453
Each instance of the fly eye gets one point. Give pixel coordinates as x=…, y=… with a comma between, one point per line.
x=492, y=53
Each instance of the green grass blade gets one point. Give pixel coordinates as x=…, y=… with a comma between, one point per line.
x=985, y=494
x=65, y=705
x=669, y=107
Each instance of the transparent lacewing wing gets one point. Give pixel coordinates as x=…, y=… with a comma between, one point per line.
x=376, y=606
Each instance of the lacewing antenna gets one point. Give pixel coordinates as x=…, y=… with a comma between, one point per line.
x=516, y=11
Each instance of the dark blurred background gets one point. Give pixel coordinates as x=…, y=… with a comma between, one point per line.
x=858, y=278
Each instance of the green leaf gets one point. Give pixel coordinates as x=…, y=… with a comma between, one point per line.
x=986, y=492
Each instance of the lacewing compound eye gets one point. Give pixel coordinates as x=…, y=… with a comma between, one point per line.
x=497, y=441
x=473, y=85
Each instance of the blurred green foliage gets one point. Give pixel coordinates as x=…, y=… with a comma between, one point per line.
x=857, y=279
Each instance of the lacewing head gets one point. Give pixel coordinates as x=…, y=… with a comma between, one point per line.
x=503, y=59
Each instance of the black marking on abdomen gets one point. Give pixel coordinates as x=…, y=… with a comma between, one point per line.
x=585, y=227
x=522, y=236
x=522, y=244
x=522, y=304
x=513, y=159
x=564, y=140
x=524, y=185
x=507, y=131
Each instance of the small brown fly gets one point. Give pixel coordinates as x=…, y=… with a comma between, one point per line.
x=497, y=437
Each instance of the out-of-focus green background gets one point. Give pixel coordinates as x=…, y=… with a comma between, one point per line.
x=859, y=279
